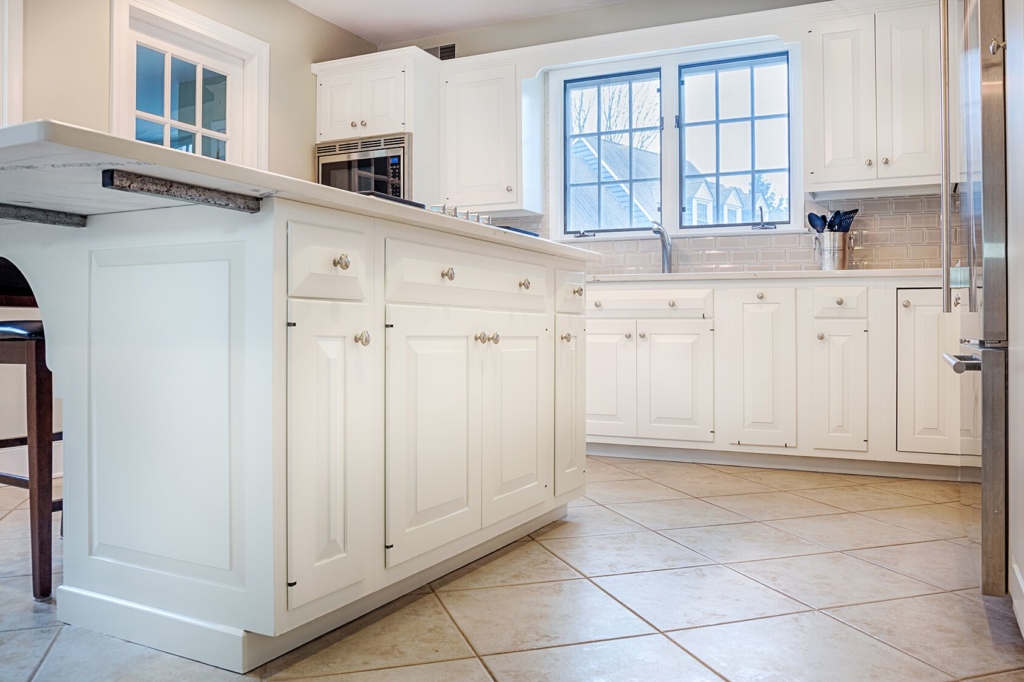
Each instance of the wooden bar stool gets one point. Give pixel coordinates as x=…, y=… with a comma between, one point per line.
x=23, y=343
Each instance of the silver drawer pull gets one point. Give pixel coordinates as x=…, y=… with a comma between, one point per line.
x=629, y=335
x=343, y=262
x=363, y=338
x=567, y=337
x=760, y=296
x=643, y=335
x=448, y=274
x=578, y=291
x=821, y=337
x=839, y=301
x=362, y=123
x=671, y=304
x=597, y=304
x=885, y=161
x=525, y=284
x=906, y=304
x=353, y=124
x=869, y=162
x=494, y=338
x=481, y=337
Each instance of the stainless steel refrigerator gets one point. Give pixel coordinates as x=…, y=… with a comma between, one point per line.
x=974, y=240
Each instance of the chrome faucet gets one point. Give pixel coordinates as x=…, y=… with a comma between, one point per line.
x=763, y=226
x=666, y=247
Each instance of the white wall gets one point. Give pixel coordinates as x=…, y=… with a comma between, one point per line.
x=67, y=65
x=10, y=60
x=581, y=24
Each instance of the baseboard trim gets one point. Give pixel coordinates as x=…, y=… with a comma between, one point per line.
x=827, y=465
x=238, y=650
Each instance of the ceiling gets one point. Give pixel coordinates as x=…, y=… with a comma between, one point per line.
x=395, y=21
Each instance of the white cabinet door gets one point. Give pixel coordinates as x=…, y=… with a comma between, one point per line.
x=839, y=417
x=481, y=120
x=907, y=44
x=433, y=401
x=517, y=400
x=760, y=343
x=675, y=380
x=840, y=100
x=331, y=384
x=382, y=108
x=338, y=106
x=570, y=402
x=927, y=390
x=611, y=378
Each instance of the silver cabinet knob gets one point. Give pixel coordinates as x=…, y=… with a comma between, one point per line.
x=481, y=337
x=839, y=301
x=643, y=335
x=363, y=338
x=353, y=124
x=525, y=284
x=760, y=296
x=821, y=337
x=494, y=338
x=869, y=163
x=343, y=262
x=578, y=291
x=885, y=161
x=956, y=300
x=509, y=188
x=671, y=304
x=629, y=335
x=567, y=337
x=906, y=304
x=362, y=123
x=448, y=274
x=597, y=304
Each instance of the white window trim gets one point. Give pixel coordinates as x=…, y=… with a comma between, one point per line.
x=669, y=64
x=254, y=54
x=12, y=61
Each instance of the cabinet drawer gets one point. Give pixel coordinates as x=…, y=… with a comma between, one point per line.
x=569, y=291
x=845, y=302
x=327, y=262
x=698, y=303
x=417, y=273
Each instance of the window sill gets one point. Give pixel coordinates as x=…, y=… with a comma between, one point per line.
x=690, y=232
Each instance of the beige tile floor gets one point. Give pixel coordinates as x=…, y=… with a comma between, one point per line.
x=665, y=572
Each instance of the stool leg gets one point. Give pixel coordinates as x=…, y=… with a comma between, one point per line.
x=39, y=388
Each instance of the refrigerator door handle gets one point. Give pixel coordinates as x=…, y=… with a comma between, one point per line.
x=963, y=363
x=944, y=153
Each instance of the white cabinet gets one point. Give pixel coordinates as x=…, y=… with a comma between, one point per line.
x=331, y=384
x=611, y=378
x=675, y=379
x=872, y=101
x=760, y=344
x=480, y=134
x=570, y=402
x=433, y=403
x=839, y=414
x=361, y=103
x=517, y=400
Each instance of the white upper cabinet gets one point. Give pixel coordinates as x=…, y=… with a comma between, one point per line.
x=611, y=378
x=480, y=138
x=570, y=402
x=339, y=98
x=872, y=100
x=908, y=92
x=675, y=379
x=760, y=345
x=361, y=103
x=840, y=369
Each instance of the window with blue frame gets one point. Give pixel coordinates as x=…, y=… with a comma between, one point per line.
x=613, y=153
x=734, y=142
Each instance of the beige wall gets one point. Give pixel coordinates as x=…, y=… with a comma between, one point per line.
x=581, y=24
x=67, y=65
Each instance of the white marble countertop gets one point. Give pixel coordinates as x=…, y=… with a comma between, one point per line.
x=56, y=166
x=929, y=273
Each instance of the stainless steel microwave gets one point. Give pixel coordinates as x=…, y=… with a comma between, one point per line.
x=372, y=164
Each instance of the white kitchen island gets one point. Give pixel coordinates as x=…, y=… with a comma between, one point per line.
x=277, y=421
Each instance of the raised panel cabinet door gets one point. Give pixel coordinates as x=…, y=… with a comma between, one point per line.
x=338, y=106
x=907, y=61
x=611, y=378
x=331, y=384
x=517, y=401
x=840, y=100
x=927, y=390
x=570, y=402
x=761, y=358
x=675, y=382
x=383, y=100
x=839, y=417
x=481, y=137
x=433, y=367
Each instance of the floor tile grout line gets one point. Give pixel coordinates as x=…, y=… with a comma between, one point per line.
x=46, y=654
